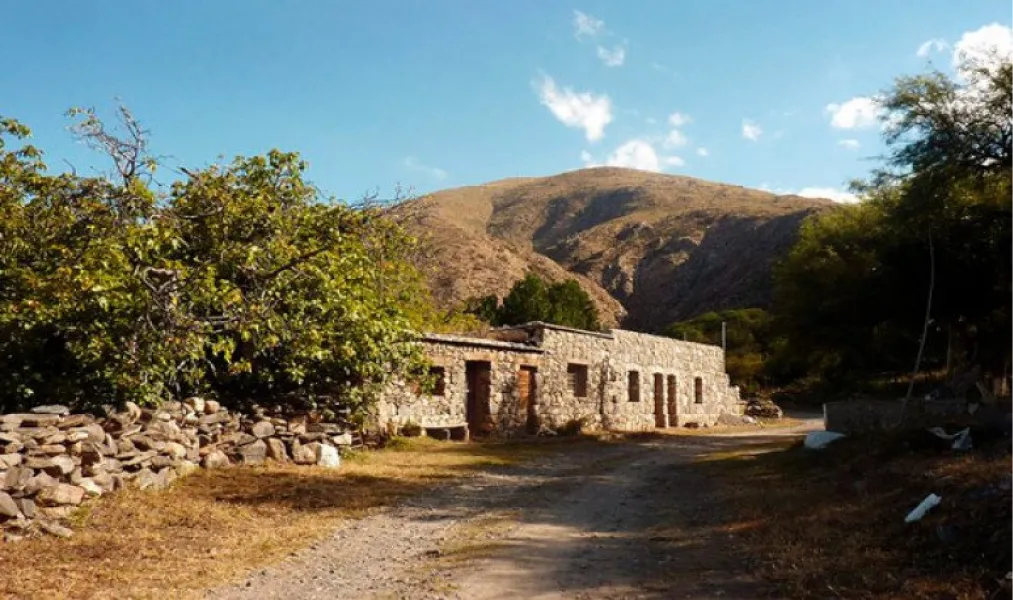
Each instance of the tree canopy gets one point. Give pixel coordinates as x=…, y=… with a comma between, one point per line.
x=533, y=299
x=851, y=297
x=239, y=281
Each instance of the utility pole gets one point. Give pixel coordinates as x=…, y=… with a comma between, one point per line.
x=724, y=336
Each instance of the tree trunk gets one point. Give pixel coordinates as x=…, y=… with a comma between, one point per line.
x=925, y=328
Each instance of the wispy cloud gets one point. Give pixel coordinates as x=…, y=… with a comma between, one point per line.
x=584, y=25
x=614, y=57
x=930, y=46
x=702, y=152
x=751, y=131
x=849, y=144
x=582, y=110
x=678, y=119
x=828, y=193
x=858, y=113
x=415, y=165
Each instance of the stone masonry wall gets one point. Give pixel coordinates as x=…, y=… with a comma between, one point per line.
x=52, y=461
x=399, y=404
x=608, y=357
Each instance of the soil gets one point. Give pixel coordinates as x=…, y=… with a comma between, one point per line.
x=627, y=519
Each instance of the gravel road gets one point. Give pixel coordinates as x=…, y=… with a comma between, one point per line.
x=576, y=524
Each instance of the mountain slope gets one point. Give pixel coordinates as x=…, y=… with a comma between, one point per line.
x=649, y=248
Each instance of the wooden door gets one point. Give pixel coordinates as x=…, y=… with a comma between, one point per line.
x=659, y=401
x=527, y=394
x=479, y=377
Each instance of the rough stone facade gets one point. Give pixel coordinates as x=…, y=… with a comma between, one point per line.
x=546, y=376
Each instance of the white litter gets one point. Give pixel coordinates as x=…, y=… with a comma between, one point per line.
x=961, y=439
x=818, y=440
x=920, y=510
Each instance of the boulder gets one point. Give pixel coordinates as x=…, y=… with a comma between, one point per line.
x=27, y=506
x=326, y=456
x=132, y=411
x=39, y=482
x=15, y=479
x=211, y=407
x=303, y=455
x=105, y=482
x=196, y=404
x=61, y=494
x=146, y=479
x=39, y=420
x=124, y=445
x=160, y=462
x=252, y=454
x=9, y=438
x=90, y=487
x=12, y=447
x=213, y=418
x=186, y=467
x=10, y=460
x=174, y=450
x=78, y=435
x=8, y=508
x=52, y=449
x=262, y=429
x=55, y=529
x=51, y=409
x=344, y=439
x=78, y=420
x=276, y=450
x=215, y=460
x=761, y=407
x=166, y=477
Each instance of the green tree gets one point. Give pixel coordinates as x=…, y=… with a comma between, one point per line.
x=750, y=341
x=571, y=306
x=532, y=299
x=923, y=263
x=240, y=281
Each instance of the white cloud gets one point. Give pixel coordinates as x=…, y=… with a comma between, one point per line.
x=931, y=46
x=651, y=121
x=751, y=131
x=614, y=57
x=583, y=110
x=678, y=119
x=849, y=144
x=856, y=113
x=829, y=193
x=586, y=25
x=702, y=152
x=634, y=154
x=982, y=46
x=674, y=139
x=415, y=165
x=824, y=193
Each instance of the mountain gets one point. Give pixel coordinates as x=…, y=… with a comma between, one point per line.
x=649, y=248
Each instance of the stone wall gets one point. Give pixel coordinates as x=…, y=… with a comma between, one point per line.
x=608, y=359
x=868, y=416
x=52, y=461
x=400, y=404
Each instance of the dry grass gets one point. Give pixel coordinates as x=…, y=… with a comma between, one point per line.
x=215, y=525
x=830, y=524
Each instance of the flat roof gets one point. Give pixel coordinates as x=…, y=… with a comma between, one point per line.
x=460, y=340
x=544, y=325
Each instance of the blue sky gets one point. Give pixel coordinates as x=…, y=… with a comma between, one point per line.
x=439, y=94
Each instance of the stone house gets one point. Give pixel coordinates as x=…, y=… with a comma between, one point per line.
x=532, y=376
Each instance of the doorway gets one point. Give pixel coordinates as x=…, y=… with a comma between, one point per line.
x=672, y=402
x=527, y=388
x=659, y=401
x=479, y=377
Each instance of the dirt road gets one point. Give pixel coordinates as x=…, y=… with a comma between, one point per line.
x=632, y=519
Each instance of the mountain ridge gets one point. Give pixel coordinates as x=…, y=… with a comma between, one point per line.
x=649, y=248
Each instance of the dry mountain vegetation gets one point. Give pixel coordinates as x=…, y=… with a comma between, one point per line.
x=648, y=248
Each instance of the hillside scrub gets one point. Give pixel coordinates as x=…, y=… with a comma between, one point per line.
x=238, y=280
x=921, y=267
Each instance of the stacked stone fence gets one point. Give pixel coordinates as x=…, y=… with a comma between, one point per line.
x=870, y=416
x=52, y=461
